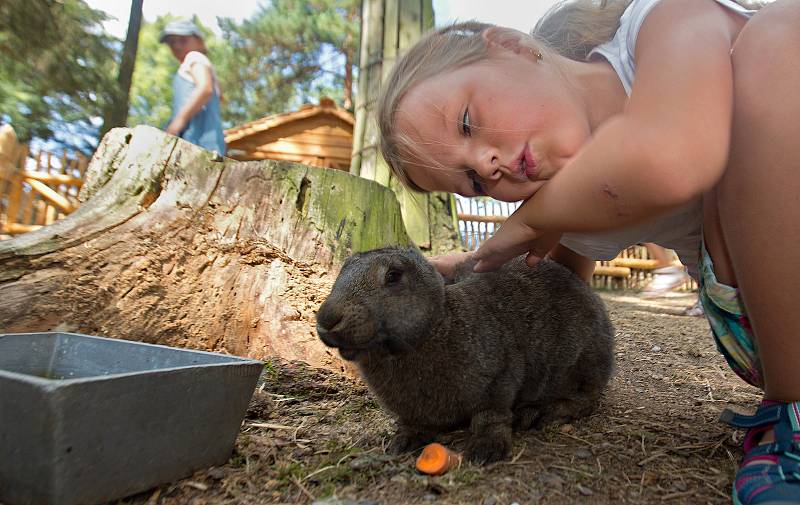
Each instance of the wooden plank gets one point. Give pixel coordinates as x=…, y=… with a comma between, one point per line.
x=51, y=195
x=610, y=271
x=428, y=18
x=367, y=151
x=14, y=201
x=40, y=208
x=17, y=228
x=481, y=218
x=634, y=263
x=291, y=148
x=53, y=178
x=410, y=25
x=50, y=215
x=297, y=157
x=391, y=32
x=283, y=131
x=304, y=140
x=27, y=208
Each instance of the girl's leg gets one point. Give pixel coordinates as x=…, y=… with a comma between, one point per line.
x=752, y=231
x=759, y=196
x=666, y=276
x=659, y=254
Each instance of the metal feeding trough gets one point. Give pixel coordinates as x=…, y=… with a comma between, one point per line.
x=84, y=420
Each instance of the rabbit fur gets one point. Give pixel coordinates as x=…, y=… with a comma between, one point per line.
x=511, y=349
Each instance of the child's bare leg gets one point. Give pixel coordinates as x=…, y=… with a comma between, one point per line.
x=666, y=276
x=659, y=254
x=759, y=195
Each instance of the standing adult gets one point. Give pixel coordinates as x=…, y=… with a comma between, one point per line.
x=195, y=89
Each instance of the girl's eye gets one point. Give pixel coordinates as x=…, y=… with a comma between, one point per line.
x=465, y=123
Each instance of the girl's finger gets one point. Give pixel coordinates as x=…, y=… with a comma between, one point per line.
x=532, y=260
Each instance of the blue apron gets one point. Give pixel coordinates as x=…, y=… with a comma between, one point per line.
x=205, y=128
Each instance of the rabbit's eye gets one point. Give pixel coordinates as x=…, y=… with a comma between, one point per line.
x=393, y=276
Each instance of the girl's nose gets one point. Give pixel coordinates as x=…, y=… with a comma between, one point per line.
x=488, y=165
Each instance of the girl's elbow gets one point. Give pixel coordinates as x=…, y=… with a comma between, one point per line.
x=682, y=178
x=705, y=173
x=688, y=182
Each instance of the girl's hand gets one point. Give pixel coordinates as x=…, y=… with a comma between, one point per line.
x=512, y=239
x=446, y=263
x=176, y=126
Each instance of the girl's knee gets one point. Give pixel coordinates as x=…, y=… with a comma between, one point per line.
x=764, y=60
x=771, y=34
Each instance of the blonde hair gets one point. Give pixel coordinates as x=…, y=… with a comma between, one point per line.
x=437, y=52
x=573, y=28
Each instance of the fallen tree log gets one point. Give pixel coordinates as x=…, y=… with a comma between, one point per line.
x=176, y=248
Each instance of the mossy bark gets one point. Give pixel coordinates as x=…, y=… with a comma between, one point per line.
x=175, y=247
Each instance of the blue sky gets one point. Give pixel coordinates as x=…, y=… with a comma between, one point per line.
x=520, y=14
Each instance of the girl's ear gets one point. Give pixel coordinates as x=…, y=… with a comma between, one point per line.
x=512, y=40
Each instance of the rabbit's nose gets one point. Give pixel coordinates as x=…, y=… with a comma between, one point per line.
x=327, y=338
x=327, y=319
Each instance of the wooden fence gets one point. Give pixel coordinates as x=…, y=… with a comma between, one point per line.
x=478, y=218
x=40, y=188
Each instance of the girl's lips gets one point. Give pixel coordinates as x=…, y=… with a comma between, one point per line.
x=527, y=164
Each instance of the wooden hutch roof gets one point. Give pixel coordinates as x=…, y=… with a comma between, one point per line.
x=318, y=135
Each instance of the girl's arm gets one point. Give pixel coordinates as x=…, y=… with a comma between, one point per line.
x=668, y=147
x=203, y=89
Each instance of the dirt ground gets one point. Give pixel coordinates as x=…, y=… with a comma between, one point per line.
x=312, y=436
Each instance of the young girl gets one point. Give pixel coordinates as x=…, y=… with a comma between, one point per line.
x=675, y=122
x=195, y=90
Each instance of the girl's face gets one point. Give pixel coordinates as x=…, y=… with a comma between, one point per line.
x=181, y=45
x=500, y=127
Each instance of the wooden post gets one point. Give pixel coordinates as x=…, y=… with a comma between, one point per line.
x=9, y=150
x=388, y=27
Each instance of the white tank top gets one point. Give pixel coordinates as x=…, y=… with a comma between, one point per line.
x=679, y=230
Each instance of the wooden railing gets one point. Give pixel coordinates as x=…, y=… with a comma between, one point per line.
x=41, y=188
x=631, y=269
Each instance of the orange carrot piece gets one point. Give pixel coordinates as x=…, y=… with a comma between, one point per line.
x=437, y=459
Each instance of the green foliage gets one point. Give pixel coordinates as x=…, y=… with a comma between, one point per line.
x=151, y=91
x=57, y=70
x=288, y=53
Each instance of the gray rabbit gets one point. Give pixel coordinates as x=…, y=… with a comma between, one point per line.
x=516, y=348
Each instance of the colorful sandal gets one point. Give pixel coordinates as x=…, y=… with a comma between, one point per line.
x=769, y=474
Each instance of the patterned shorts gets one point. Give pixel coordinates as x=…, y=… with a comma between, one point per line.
x=729, y=324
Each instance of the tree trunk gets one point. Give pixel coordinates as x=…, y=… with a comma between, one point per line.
x=117, y=114
x=176, y=248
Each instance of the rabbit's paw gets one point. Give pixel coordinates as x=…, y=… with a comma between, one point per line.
x=487, y=449
x=406, y=440
x=567, y=410
x=526, y=418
